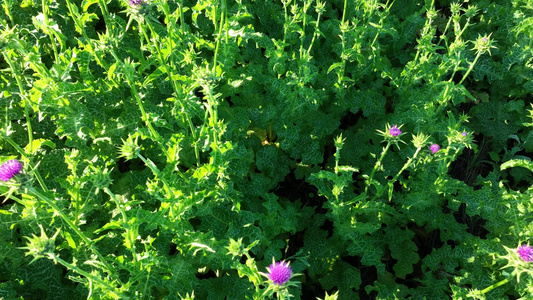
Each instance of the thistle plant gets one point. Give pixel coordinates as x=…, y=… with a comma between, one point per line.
x=172, y=149
x=392, y=136
x=279, y=276
x=519, y=260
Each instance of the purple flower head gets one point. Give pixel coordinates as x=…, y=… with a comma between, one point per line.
x=279, y=272
x=464, y=133
x=434, y=148
x=395, y=131
x=9, y=169
x=526, y=253
x=484, y=40
x=135, y=2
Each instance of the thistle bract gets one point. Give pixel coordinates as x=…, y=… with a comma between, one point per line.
x=279, y=272
x=9, y=169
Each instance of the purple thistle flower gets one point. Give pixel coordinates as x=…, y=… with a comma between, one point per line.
x=395, y=131
x=526, y=253
x=434, y=148
x=484, y=40
x=464, y=133
x=135, y=2
x=279, y=272
x=9, y=169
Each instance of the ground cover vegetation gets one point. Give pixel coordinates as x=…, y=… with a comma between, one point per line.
x=239, y=149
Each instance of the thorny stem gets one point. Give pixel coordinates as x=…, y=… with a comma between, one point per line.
x=471, y=67
x=156, y=172
x=53, y=42
x=145, y=117
x=28, y=122
x=219, y=37
x=88, y=275
x=317, y=28
x=340, y=75
x=175, y=88
x=376, y=166
x=490, y=288
x=23, y=96
x=405, y=166
x=23, y=153
x=79, y=26
x=32, y=191
x=6, y=6
x=119, y=207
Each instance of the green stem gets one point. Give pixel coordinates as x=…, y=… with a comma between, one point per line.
x=6, y=6
x=32, y=191
x=176, y=91
x=88, y=275
x=490, y=288
x=156, y=172
x=119, y=207
x=219, y=37
x=28, y=122
x=53, y=42
x=145, y=117
x=23, y=96
x=470, y=68
x=23, y=153
x=405, y=166
x=105, y=13
x=387, y=7
x=304, y=23
x=376, y=166
x=340, y=75
x=81, y=29
x=317, y=28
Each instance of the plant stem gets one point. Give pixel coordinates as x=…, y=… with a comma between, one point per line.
x=32, y=191
x=219, y=37
x=53, y=42
x=470, y=68
x=340, y=74
x=156, y=172
x=6, y=6
x=23, y=153
x=405, y=166
x=376, y=166
x=24, y=98
x=81, y=29
x=175, y=87
x=90, y=276
x=317, y=28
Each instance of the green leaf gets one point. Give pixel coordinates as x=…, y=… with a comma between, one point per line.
x=517, y=163
x=36, y=145
x=402, y=249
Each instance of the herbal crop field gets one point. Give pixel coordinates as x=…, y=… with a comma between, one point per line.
x=266, y=149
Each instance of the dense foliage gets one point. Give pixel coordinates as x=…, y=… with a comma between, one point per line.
x=177, y=149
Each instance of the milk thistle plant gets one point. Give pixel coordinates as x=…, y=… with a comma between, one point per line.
x=520, y=260
x=279, y=276
x=172, y=149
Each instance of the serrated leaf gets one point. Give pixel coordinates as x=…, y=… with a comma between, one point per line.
x=517, y=163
